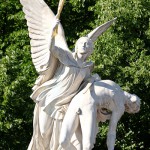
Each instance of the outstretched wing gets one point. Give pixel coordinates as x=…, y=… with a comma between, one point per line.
x=39, y=21
x=93, y=35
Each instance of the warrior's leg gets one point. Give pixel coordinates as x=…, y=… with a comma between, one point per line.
x=88, y=125
x=75, y=143
x=77, y=138
x=69, y=124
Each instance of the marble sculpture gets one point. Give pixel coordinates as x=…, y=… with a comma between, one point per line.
x=69, y=100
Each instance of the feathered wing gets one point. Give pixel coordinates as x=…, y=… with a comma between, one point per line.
x=39, y=21
x=93, y=35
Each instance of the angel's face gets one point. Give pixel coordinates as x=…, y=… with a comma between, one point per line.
x=84, y=47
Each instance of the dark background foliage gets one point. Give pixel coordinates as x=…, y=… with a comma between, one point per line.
x=121, y=54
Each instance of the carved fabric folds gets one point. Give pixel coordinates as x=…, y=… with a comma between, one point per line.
x=53, y=97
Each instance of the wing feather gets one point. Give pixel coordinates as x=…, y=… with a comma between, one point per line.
x=37, y=43
x=30, y=15
x=35, y=60
x=36, y=36
x=41, y=53
x=29, y=12
x=34, y=26
x=39, y=49
x=31, y=30
x=41, y=62
x=33, y=21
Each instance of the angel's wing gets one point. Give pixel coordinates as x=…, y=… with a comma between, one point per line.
x=93, y=35
x=39, y=19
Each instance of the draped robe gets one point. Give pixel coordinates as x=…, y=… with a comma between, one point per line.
x=54, y=96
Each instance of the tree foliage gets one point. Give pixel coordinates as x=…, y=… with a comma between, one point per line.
x=122, y=54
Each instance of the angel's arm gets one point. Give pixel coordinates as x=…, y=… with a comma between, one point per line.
x=63, y=55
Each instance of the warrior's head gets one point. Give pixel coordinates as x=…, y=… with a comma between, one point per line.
x=132, y=103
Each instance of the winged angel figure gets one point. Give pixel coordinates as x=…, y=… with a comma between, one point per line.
x=62, y=73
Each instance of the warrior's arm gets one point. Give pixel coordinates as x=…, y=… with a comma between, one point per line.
x=111, y=135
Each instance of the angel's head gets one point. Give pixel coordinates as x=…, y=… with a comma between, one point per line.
x=84, y=47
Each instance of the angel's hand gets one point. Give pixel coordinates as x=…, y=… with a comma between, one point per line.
x=55, y=24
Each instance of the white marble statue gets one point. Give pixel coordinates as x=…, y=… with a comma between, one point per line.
x=63, y=76
x=104, y=100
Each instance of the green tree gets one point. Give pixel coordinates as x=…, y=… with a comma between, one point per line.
x=122, y=54
x=16, y=76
